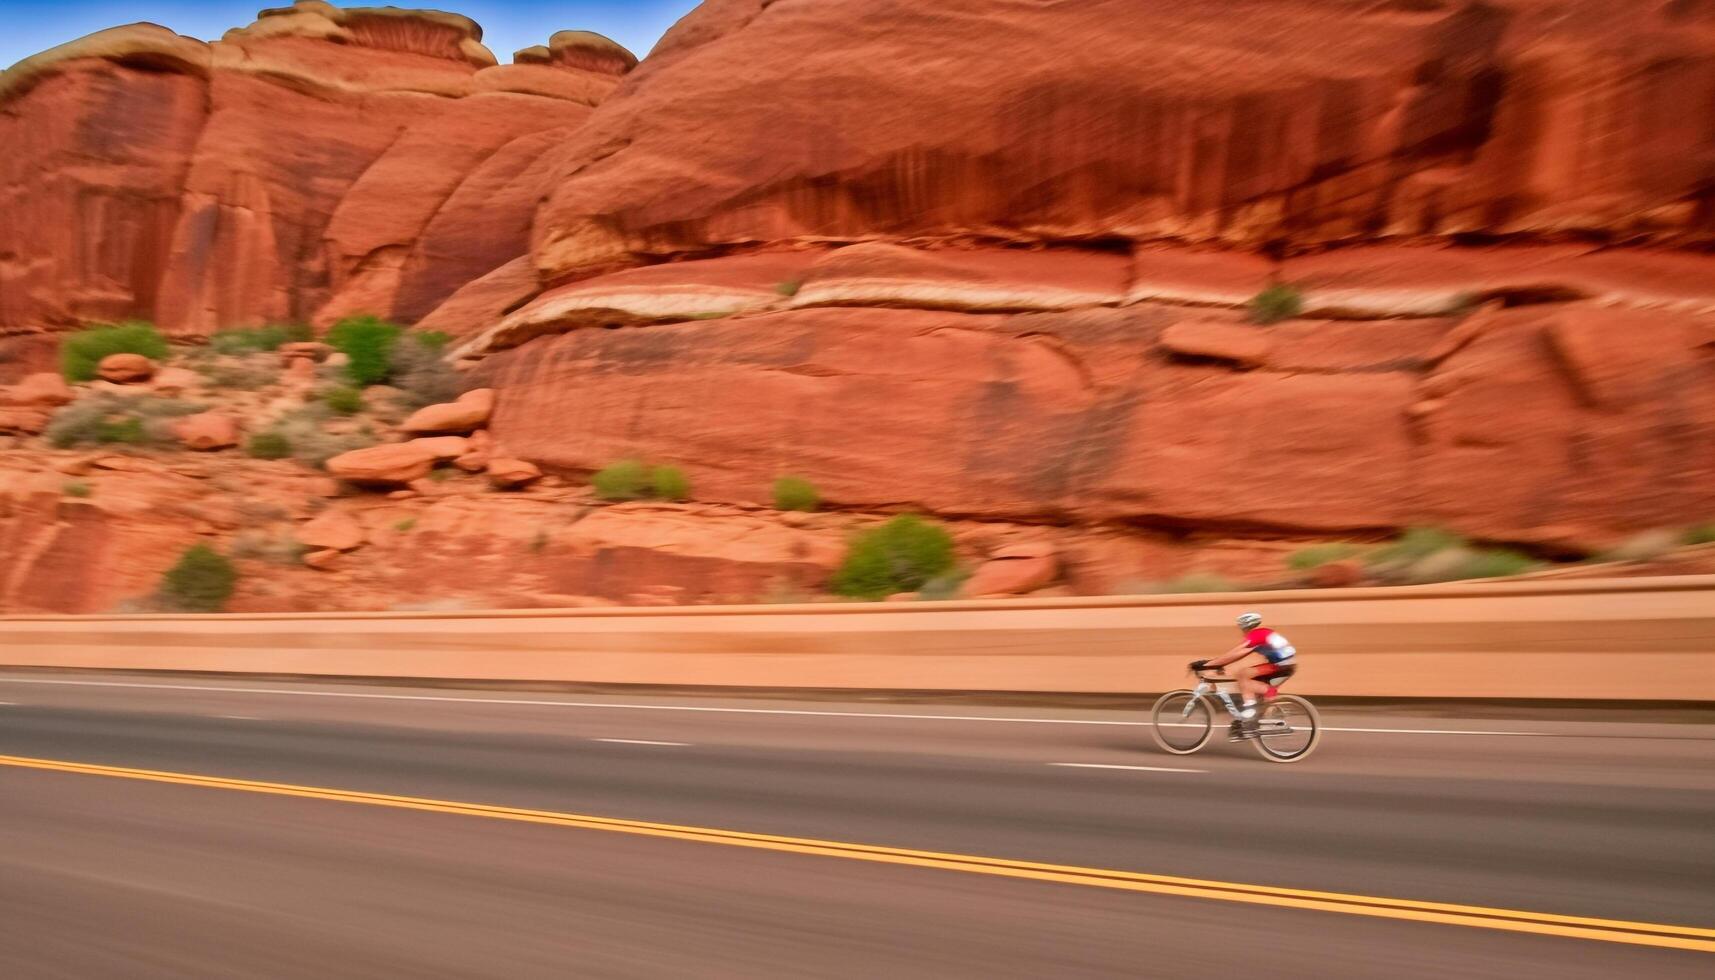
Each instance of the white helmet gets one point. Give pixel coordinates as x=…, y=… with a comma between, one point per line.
x=1250, y=621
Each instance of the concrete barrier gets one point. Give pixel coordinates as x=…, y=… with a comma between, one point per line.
x=1651, y=639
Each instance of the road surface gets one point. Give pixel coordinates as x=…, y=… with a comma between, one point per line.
x=197, y=828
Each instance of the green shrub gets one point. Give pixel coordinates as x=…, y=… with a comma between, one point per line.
x=269, y=445
x=405, y=525
x=1317, y=555
x=1497, y=563
x=441, y=474
x=1701, y=534
x=899, y=556
x=368, y=344
x=75, y=488
x=344, y=400
x=250, y=341
x=202, y=581
x=796, y=493
x=669, y=483
x=790, y=287
x=417, y=369
x=1416, y=543
x=81, y=352
x=1276, y=303
x=435, y=340
x=625, y=480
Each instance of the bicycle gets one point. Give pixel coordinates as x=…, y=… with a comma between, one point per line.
x=1288, y=727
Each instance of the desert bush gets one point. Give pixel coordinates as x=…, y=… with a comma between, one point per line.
x=790, y=287
x=367, y=343
x=899, y=556
x=81, y=352
x=405, y=525
x=1415, y=544
x=1195, y=582
x=416, y=367
x=1317, y=555
x=344, y=400
x=1276, y=303
x=1644, y=546
x=669, y=483
x=104, y=419
x=75, y=488
x=1701, y=534
x=253, y=340
x=201, y=581
x=1497, y=563
x=310, y=443
x=271, y=548
x=239, y=376
x=627, y=479
x=271, y=444
x=796, y=493
x=944, y=586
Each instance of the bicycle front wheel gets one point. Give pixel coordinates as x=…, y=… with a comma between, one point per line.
x=1183, y=722
x=1288, y=729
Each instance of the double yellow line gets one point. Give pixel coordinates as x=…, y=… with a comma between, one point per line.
x=1474, y=916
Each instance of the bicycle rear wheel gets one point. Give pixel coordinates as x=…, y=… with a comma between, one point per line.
x=1288, y=729
x=1183, y=722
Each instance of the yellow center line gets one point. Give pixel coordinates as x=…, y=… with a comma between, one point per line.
x=1474, y=916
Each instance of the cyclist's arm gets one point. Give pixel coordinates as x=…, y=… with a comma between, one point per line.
x=1231, y=656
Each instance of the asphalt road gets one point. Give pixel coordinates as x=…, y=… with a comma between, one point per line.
x=126, y=874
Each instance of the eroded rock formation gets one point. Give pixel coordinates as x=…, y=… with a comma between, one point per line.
x=319, y=162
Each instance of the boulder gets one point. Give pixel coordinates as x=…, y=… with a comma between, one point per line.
x=207, y=431
x=44, y=389
x=125, y=369
x=1014, y=570
x=304, y=350
x=23, y=421
x=171, y=382
x=512, y=474
x=333, y=531
x=473, y=462
x=1342, y=574
x=323, y=561
x=395, y=463
x=469, y=412
x=1217, y=341
x=443, y=447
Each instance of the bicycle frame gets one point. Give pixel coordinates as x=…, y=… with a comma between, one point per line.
x=1225, y=690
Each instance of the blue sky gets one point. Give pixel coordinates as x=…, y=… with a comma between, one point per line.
x=34, y=25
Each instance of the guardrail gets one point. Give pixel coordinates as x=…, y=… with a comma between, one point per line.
x=1643, y=638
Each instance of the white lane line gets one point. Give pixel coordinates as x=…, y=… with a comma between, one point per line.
x=239, y=717
x=733, y=711
x=1101, y=765
x=636, y=741
x=8, y=702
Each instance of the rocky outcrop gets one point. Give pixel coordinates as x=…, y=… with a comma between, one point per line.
x=293, y=165
x=1082, y=417
x=1302, y=123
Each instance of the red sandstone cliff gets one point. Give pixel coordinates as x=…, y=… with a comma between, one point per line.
x=981, y=258
x=319, y=161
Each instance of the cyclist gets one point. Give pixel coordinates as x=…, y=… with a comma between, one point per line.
x=1278, y=663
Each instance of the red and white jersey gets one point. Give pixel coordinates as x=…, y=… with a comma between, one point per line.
x=1271, y=645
